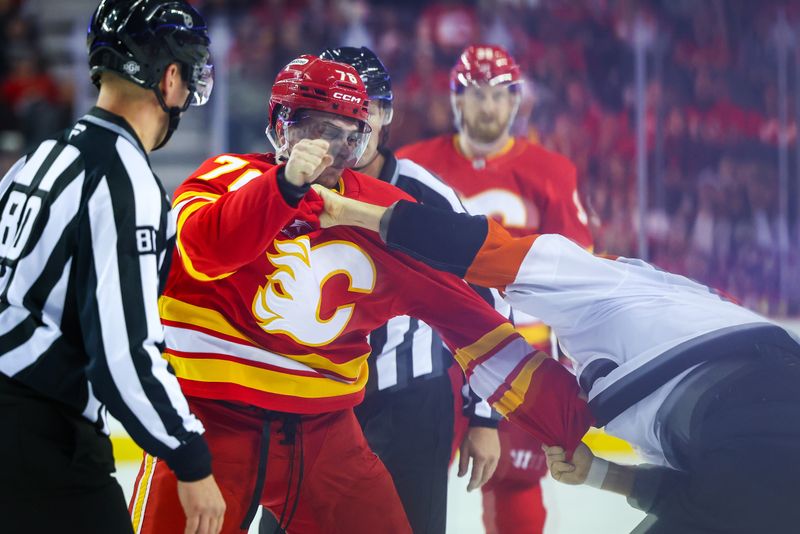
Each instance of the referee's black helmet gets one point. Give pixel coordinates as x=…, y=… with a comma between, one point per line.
x=139, y=39
x=371, y=69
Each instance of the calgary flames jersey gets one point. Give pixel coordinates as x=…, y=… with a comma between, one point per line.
x=528, y=189
x=264, y=307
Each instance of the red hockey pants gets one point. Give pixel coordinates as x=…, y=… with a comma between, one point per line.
x=344, y=488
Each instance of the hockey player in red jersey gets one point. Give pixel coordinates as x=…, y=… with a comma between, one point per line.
x=529, y=190
x=266, y=319
x=525, y=187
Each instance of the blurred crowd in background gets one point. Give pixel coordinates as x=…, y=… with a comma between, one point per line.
x=712, y=103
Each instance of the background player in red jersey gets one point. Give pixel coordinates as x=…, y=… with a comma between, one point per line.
x=266, y=319
x=529, y=190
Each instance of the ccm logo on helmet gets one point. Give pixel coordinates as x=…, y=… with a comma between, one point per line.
x=347, y=98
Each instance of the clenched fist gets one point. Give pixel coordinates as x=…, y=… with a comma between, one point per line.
x=307, y=161
x=573, y=472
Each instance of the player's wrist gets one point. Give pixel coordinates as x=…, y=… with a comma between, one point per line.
x=291, y=192
x=476, y=421
x=383, y=224
x=191, y=461
x=596, y=475
x=619, y=479
x=363, y=215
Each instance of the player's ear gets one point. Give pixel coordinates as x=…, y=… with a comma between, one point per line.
x=173, y=87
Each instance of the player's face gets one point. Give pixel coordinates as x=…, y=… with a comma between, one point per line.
x=347, y=140
x=175, y=91
x=379, y=116
x=486, y=111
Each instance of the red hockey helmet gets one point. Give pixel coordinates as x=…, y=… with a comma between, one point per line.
x=484, y=64
x=309, y=82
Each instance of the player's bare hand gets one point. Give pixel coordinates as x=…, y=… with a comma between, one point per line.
x=482, y=445
x=203, y=505
x=307, y=161
x=340, y=210
x=573, y=472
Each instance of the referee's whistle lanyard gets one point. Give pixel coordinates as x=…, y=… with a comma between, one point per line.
x=291, y=427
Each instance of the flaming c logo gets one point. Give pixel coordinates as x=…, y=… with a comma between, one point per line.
x=290, y=301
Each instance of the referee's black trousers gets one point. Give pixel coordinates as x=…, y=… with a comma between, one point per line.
x=56, y=474
x=733, y=426
x=411, y=431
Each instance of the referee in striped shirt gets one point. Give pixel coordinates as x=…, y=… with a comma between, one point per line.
x=84, y=234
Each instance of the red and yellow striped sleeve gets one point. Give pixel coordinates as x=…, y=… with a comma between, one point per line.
x=526, y=386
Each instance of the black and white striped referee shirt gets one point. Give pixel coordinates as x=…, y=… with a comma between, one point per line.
x=406, y=349
x=85, y=241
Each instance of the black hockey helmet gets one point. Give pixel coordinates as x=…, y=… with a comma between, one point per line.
x=371, y=69
x=139, y=39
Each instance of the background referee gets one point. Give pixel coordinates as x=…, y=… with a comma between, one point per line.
x=84, y=234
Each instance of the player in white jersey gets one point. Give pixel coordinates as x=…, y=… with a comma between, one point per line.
x=707, y=391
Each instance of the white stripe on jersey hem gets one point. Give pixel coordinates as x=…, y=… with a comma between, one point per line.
x=482, y=409
x=196, y=342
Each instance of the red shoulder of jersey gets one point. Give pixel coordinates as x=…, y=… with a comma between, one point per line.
x=549, y=165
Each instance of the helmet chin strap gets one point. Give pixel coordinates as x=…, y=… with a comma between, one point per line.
x=174, y=114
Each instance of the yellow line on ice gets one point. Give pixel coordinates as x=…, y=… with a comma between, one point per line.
x=125, y=450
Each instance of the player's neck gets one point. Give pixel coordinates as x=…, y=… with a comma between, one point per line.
x=374, y=167
x=475, y=150
x=145, y=119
